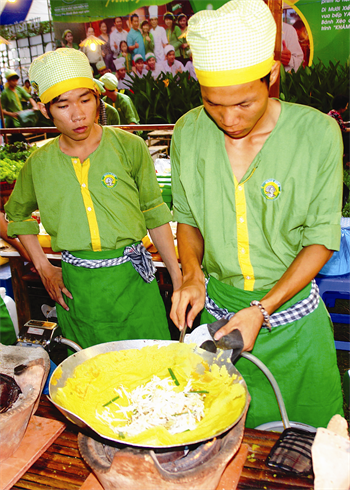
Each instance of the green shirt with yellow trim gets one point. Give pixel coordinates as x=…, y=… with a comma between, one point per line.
x=289, y=198
x=11, y=102
x=107, y=202
x=125, y=107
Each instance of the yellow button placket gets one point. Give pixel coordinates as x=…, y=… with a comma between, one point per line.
x=243, y=237
x=82, y=173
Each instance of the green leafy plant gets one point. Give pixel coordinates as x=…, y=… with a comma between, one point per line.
x=12, y=159
x=315, y=85
x=166, y=99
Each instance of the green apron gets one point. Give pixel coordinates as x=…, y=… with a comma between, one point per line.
x=110, y=303
x=301, y=356
x=7, y=331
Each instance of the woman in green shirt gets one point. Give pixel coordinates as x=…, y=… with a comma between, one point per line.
x=173, y=32
x=124, y=53
x=97, y=195
x=147, y=37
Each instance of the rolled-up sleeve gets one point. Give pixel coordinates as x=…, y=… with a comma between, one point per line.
x=154, y=209
x=181, y=212
x=322, y=225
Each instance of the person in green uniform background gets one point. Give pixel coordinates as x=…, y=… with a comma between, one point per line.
x=97, y=194
x=251, y=181
x=147, y=37
x=11, y=100
x=108, y=115
x=124, y=105
x=173, y=33
x=67, y=37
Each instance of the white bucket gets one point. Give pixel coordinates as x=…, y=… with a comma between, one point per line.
x=11, y=308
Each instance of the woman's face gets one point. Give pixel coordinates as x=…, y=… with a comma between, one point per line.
x=103, y=28
x=69, y=37
x=168, y=23
x=183, y=22
x=123, y=47
x=145, y=28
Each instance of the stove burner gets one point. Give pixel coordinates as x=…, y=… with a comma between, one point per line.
x=200, y=466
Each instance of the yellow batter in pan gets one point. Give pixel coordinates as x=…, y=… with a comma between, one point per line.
x=89, y=393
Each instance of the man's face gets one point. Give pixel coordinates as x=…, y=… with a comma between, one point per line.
x=170, y=57
x=139, y=65
x=121, y=73
x=13, y=82
x=74, y=113
x=238, y=108
x=151, y=62
x=90, y=31
x=135, y=23
x=118, y=23
x=154, y=22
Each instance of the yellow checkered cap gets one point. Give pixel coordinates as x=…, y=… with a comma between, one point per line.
x=57, y=72
x=234, y=44
x=110, y=81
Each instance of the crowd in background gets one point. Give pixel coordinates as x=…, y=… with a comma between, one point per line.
x=144, y=47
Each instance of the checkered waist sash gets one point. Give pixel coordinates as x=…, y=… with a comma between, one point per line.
x=140, y=259
x=291, y=314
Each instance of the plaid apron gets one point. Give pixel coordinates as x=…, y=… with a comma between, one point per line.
x=301, y=356
x=110, y=302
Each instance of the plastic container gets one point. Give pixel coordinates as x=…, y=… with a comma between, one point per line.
x=11, y=308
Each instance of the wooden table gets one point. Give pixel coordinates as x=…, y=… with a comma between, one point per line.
x=62, y=468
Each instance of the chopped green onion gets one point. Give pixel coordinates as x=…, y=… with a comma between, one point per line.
x=111, y=401
x=200, y=391
x=174, y=377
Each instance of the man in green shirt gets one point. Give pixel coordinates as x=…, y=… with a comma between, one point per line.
x=11, y=99
x=97, y=194
x=121, y=102
x=251, y=189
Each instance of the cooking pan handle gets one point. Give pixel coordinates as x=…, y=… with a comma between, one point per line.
x=234, y=341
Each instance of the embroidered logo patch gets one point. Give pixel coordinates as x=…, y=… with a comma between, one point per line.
x=271, y=189
x=109, y=180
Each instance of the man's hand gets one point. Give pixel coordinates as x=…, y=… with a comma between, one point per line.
x=136, y=45
x=248, y=321
x=192, y=292
x=285, y=55
x=51, y=277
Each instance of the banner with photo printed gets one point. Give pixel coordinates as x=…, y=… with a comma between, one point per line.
x=92, y=10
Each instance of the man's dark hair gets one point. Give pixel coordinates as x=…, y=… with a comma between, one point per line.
x=56, y=99
x=133, y=16
x=339, y=102
x=266, y=79
x=118, y=18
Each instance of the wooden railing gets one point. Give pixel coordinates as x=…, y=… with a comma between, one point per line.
x=46, y=130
